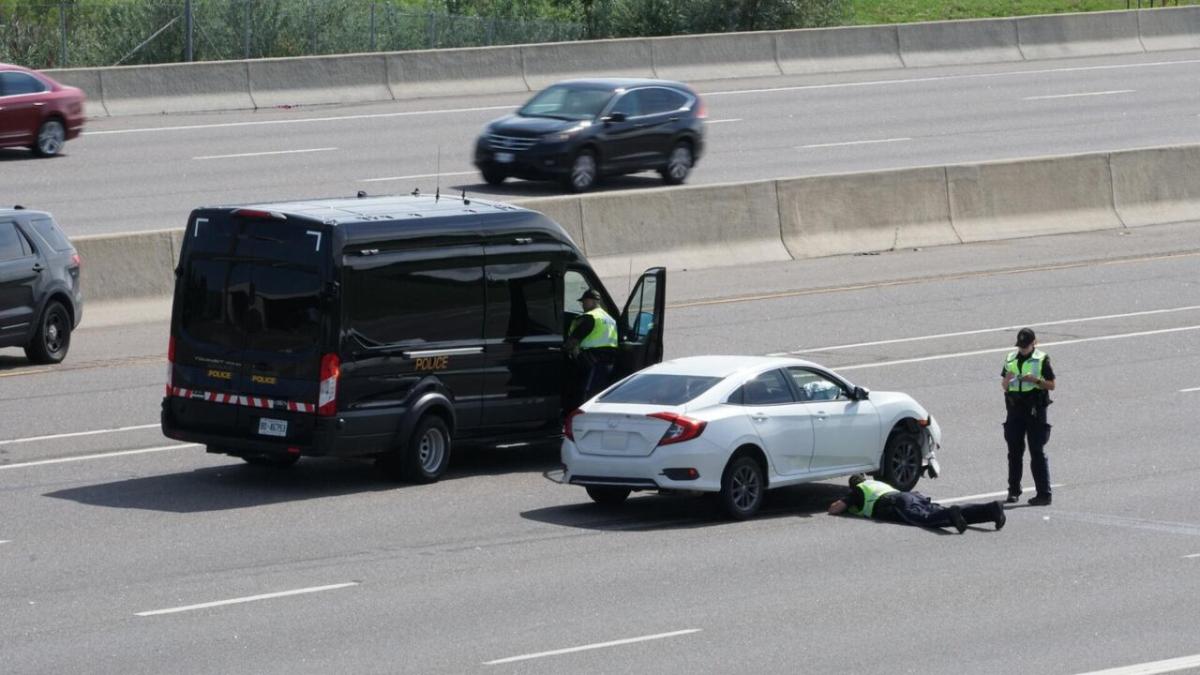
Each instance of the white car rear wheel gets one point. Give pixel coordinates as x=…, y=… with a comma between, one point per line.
x=743, y=487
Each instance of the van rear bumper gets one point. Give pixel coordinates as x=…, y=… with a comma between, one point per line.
x=329, y=437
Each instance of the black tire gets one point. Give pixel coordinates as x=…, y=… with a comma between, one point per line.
x=53, y=336
x=51, y=137
x=272, y=461
x=584, y=173
x=901, y=466
x=743, y=487
x=426, y=455
x=608, y=495
x=679, y=164
x=493, y=177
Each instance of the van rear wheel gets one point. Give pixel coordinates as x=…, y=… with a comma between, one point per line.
x=425, y=457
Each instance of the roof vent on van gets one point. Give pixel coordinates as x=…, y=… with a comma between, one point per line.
x=362, y=193
x=18, y=207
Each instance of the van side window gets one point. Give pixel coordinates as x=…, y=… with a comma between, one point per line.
x=11, y=247
x=574, y=284
x=521, y=301
x=414, y=303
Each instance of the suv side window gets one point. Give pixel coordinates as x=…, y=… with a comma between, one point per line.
x=630, y=103
x=13, y=83
x=417, y=302
x=767, y=389
x=12, y=244
x=657, y=100
x=49, y=231
x=814, y=386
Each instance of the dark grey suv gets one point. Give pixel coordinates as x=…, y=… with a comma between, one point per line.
x=40, y=302
x=581, y=130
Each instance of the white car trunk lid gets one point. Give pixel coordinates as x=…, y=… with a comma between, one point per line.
x=619, y=430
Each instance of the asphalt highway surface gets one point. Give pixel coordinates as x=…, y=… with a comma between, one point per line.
x=148, y=172
x=125, y=552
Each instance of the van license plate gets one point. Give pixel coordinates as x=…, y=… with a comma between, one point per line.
x=268, y=427
x=505, y=157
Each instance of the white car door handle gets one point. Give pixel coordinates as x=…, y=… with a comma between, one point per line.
x=759, y=417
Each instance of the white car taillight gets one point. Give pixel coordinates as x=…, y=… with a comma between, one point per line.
x=568, y=428
x=681, y=429
x=331, y=371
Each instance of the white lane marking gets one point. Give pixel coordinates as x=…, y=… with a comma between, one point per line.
x=1184, y=391
x=1153, y=667
x=977, y=352
x=1165, y=526
x=415, y=175
x=76, y=434
x=305, y=120
x=945, y=78
x=1194, y=555
x=249, y=598
x=5, y=541
x=598, y=645
x=103, y=455
x=988, y=495
x=1090, y=93
x=264, y=154
x=838, y=145
x=980, y=331
x=733, y=119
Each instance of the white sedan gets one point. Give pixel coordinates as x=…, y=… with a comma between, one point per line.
x=740, y=425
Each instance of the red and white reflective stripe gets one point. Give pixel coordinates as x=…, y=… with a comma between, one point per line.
x=247, y=401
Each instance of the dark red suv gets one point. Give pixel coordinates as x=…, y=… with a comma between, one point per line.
x=36, y=112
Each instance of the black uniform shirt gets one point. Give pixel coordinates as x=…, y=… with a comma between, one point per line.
x=1030, y=397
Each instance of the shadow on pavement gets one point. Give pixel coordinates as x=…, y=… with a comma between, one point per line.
x=237, y=485
x=671, y=512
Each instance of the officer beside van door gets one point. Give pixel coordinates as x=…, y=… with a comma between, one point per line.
x=592, y=342
x=1027, y=380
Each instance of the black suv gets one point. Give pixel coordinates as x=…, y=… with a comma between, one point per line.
x=40, y=302
x=580, y=130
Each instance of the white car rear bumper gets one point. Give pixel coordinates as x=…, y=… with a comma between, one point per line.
x=648, y=472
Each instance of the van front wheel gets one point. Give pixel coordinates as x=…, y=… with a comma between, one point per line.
x=426, y=455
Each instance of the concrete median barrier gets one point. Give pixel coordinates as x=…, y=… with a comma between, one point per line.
x=1153, y=187
x=449, y=72
x=546, y=64
x=865, y=212
x=951, y=43
x=832, y=50
x=315, y=80
x=176, y=88
x=1059, y=36
x=703, y=226
x=87, y=79
x=1169, y=28
x=128, y=266
x=1006, y=200
x=715, y=57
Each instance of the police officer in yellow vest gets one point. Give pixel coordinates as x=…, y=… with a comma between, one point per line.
x=1027, y=379
x=592, y=341
x=876, y=499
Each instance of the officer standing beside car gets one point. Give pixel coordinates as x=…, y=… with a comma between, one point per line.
x=592, y=342
x=1027, y=380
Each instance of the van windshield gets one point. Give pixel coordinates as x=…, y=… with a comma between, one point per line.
x=253, y=284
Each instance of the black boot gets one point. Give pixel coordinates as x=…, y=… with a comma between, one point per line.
x=1001, y=517
x=956, y=517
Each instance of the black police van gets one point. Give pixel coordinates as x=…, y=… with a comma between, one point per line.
x=382, y=327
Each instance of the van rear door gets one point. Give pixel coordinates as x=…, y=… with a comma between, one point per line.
x=250, y=320
x=641, y=324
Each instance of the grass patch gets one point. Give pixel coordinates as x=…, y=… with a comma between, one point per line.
x=905, y=11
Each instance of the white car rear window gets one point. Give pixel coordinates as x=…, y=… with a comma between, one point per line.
x=659, y=389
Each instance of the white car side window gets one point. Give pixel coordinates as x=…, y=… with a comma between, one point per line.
x=815, y=387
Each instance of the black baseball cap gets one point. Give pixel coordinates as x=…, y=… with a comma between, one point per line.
x=590, y=293
x=1025, y=337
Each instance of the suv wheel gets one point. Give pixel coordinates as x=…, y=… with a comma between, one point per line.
x=50, y=138
x=53, y=336
x=679, y=164
x=584, y=172
x=493, y=177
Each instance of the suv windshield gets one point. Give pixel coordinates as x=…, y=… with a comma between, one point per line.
x=254, y=284
x=567, y=103
x=660, y=389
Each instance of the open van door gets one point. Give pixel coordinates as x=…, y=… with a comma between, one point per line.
x=641, y=323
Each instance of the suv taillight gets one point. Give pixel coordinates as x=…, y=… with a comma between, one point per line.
x=701, y=108
x=681, y=429
x=568, y=428
x=76, y=260
x=331, y=371
x=170, y=364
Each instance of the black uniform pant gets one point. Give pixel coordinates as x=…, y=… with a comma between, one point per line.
x=914, y=508
x=1027, y=424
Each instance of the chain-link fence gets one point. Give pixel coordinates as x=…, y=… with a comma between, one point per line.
x=79, y=33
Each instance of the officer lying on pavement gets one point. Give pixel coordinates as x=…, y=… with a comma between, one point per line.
x=876, y=499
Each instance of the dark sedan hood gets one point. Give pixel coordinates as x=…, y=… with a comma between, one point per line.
x=529, y=127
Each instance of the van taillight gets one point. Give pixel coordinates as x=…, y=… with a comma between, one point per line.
x=568, y=428
x=331, y=370
x=170, y=364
